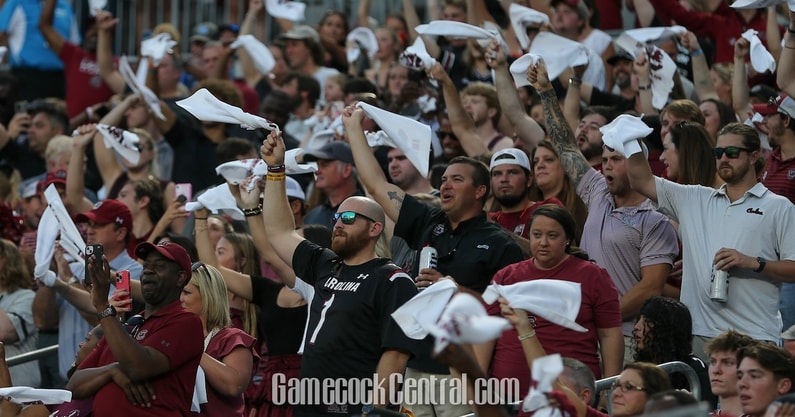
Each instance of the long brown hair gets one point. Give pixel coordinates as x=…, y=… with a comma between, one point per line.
x=694, y=145
x=14, y=273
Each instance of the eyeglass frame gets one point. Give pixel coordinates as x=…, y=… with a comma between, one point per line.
x=719, y=151
x=625, y=387
x=340, y=216
x=440, y=134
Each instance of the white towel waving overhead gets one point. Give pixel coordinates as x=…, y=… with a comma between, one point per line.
x=425, y=307
x=293, y=167
x=453, y=29
x=545, y=371
x=416, y=57
x=260, y=55
x=519, y=68
x=523, y=18
x=157, y=47
x=358, y=39
x=236, y=172
x=45, y=247
x=761, y=59
x=217, y=199
x=555, y=300
x=661, y=67
x=95, y=6
x=293, y=11
x=623, y=132
x=151, y=100
x=71, y=240
x=28, y=395
x=559, y=53
x=464, y=321
x=754, y=4
x=652, y=34
x=126, y=143
x=408, y=135
x=206, y=107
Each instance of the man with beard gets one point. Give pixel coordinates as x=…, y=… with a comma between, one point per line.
x=622, y=74
x=588, y=135
x=470, y=248
x=741, y=228
x=623, y=232
x=150, y=370
x=84, y=85
x=350, y=290
x=779, y=173
x=510, y=180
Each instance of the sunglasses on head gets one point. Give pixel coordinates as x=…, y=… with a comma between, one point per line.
x=196, y=265
x=348, y=217
x=442, y=135
x=732, y=152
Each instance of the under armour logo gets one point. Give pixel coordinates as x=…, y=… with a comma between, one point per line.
x=483, y=247
x=363, y=276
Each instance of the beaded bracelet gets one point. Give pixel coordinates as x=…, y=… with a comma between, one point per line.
x=276, y=177
x=256, y=211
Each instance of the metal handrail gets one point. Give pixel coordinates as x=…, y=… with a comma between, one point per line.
x=32, y=355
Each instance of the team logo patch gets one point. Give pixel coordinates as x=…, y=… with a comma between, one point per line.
x=438, y=229
x=141, y=334
x=791, y=174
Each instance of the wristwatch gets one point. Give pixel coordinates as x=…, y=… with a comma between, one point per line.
x=762, y=264
x=109, y=311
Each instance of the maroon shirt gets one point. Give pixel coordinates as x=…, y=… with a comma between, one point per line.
x=176, y=333
x=779, y=176
x=84, y=85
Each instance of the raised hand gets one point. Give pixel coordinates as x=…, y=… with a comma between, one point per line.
x=272, y=149
x=538, y=76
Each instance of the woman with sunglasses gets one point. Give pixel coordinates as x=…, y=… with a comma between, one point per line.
x=229, y=354
x=552, y=231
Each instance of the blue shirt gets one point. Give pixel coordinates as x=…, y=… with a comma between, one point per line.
x=26, y=45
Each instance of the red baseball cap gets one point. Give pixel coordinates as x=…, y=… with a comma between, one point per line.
x=108, y=211
x=782, y=104
x=55, y=177
x=169, y=250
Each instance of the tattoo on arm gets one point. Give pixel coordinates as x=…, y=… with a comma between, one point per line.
x=397, y=198
x=563, y=140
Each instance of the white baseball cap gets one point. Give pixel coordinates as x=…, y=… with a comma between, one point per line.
x=294, y=189
x=510, y=156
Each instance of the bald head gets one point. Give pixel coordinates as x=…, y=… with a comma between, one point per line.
x=365, y=206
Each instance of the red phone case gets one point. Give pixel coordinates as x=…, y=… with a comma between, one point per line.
x=123, y=282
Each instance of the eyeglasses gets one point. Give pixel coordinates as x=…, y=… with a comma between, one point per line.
x=441, y=135
x=626, y=386
x=348, y=217
x=732, y=152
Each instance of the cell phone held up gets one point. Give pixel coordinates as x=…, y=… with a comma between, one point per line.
x=97, y=250
x=123, y=283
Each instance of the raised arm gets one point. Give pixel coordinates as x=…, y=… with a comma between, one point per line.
x=741, y=96
x=529, y=132
x=642, y=68
x=250, y=72
x=571, y=103
x=463, y=126
x=786, y=64
x=279, y=223
x=562, y=138
x=773, y=33
x=54, y=39
x=701, y=78
x=388, y=195
x=75, y=173
x=412, y=20
x=641, y=179
x=105, y=25
x=363, y=13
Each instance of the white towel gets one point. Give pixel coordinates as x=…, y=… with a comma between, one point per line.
x=523, y=17
x=236, y=172
x=95, y=6
x=662, y=67
x=45, y=247
x=124, y=142
x=545, y=371
x=623, y=132
x=293, y=167
x=555, y=300
x=408, y=135
x=199, y=391
x=289, y=10
x=157, y=46
x=755, y=4
x=453, y=29
x=149, y=97
x=519, y=68
x=559, y=53
x=28, y=395
x=205, y=106
x=465, y=321
x=71, y=240
x=217, y=199
x=416, y=57
x=260, y=55
x=652, y=34
x=425, y=307
x=358, y=39
x=761, y=59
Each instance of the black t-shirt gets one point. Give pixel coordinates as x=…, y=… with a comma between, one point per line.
x=281, y=328
x=20, y=156
x=350, y=322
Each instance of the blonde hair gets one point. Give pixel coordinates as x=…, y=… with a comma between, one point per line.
x=212, y=288
x=57, y=146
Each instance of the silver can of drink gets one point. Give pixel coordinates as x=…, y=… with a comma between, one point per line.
x=428, y=257
x=719, y=285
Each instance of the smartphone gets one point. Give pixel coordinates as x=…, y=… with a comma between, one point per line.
x=184, y=189
x=21, y=106
x=123, y=283
x=97, y=250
